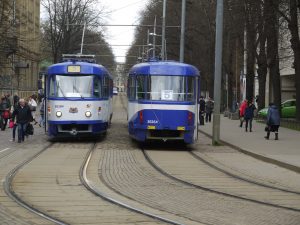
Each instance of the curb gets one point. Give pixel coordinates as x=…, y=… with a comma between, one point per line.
x=257, y=156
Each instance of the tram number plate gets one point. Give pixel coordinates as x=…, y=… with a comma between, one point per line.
x=180, y=128
x=151, y=127
x=167, y=95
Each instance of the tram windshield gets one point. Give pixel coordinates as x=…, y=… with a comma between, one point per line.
x=165, y=88
x=63, y=86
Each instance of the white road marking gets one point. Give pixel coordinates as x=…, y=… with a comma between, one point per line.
x=4, y=150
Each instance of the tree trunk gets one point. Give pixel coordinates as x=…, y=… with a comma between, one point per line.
x=272, y=49
x=262, y=60
x=250, y=48
x=293, y=26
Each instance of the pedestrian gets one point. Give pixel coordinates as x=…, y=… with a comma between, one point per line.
x=201, y=110
x=209, y=107
x=32, y=105
x=5, y=111
x=249, y=114
x=273, y=121
x=42, y=113
x=16, y=100
x=242, y=111
x=23, y=117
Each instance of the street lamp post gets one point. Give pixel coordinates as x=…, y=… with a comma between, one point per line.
x=218, y=73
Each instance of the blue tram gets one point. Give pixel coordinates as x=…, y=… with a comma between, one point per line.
x=78, y=97
x=162, y=101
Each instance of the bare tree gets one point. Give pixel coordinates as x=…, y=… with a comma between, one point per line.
x=65, y=22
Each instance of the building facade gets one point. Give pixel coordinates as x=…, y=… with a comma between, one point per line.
x=19, y=51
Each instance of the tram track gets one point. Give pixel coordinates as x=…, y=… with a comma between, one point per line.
x=222, y=193
x=8, y=187
x=87, y=185
x=251, y=181
x=92, y=188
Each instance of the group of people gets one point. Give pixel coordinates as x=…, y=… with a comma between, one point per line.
x=246, y=113
x=20, y=114
x=206, y=109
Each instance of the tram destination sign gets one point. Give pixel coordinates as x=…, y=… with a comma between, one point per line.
x=74, y=69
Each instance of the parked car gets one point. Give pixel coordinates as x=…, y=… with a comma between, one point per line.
x=288, y=109
x=115, y=91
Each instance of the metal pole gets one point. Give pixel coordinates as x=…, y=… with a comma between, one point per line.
x=182, y=30
x=147, y=44
x=163, y=34
x=84, y=26
x=218, y=73
x=13, y=55
x=154, y=37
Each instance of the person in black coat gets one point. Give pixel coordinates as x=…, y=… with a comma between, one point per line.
x=273, y=120
x=249, y=114
x=201, y=110
x=23, y=117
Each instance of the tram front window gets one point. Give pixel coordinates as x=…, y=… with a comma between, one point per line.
x=75, y=86
x=165, y=88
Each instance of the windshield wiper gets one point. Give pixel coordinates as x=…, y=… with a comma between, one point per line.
x=62, y=92
x=74, y=87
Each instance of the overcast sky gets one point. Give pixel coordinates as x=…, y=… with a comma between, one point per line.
x=122, y=12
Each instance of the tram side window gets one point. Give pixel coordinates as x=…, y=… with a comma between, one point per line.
x=105, y=87
x=97, y=87
x=140, y=87
x=131, y=88
x=190, y=89
x=52, y=87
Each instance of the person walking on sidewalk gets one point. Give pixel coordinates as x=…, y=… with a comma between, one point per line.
x=249, y=114
x=209, y=107
x=273, y=121
x=242, y=112
x=5, y=111
x=32, y=105
x=23, y=114
x=201, y=110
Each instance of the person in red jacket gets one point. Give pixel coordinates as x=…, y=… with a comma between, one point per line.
x=242, y=111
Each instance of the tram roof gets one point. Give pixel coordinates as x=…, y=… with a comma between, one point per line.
x=85, y=68
x=164, y=68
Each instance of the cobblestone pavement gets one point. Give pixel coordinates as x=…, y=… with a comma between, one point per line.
x=199, y=173
x=12, y=154
x=55, y=188
x=124, y=169
x=284, y=152
x=242, y=165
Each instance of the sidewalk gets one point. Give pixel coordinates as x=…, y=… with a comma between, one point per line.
x=284, y=152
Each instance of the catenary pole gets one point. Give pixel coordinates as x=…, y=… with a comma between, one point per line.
x=163, y=34
x=218, y=73
x=182, y=30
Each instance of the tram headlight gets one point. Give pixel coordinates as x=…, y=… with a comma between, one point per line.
x=58, y=113
x=88, y=114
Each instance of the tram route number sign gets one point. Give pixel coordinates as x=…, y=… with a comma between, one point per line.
x=167, y=95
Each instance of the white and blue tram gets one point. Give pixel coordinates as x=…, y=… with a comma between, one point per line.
x=162, y=101
x=78, y=97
